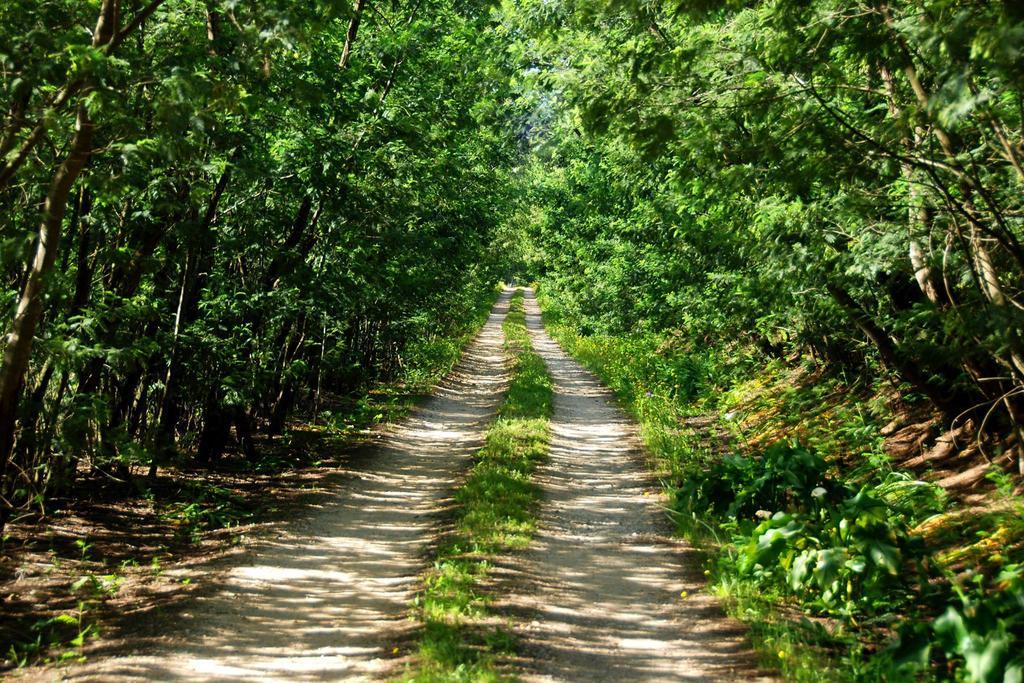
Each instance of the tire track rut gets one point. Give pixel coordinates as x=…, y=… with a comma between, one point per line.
x=601, y=588
x=328, y=597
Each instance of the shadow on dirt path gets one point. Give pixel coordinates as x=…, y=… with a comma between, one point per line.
x=327, y=598
x=600, y=590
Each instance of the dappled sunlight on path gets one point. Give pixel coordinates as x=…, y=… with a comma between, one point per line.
x=605, y=592
x=328, y=597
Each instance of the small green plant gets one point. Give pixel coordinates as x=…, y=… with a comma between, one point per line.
x=60, y=637
x=986, y=629
x=843, y=559
x=98, y=587
x=84, y=547
x=784, y=476
x=209, y=507
x=21, y=653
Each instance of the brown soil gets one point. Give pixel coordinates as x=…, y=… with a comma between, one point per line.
x=108, y=529
x=918, y=439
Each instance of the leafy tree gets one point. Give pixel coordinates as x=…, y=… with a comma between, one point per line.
x=841, y=178
x=213, y=210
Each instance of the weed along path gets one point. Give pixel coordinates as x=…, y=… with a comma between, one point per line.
x=328, y=598
x=605, y=593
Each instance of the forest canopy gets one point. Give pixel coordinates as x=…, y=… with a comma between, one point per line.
x=842, y=179
x=817, y=207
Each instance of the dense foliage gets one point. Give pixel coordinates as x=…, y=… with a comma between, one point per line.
x=838, y=178
x=218, y=216
x=214, y=213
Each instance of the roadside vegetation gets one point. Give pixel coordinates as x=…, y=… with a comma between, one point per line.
x=80, y=558
x=495, y=515
x=789, y=234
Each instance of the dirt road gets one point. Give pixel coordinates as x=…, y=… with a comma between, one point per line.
x=606, y=593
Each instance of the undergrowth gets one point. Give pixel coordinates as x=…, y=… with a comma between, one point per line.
x=426, y=360
x=844, y=568
x=460, y=640
x=192, y=507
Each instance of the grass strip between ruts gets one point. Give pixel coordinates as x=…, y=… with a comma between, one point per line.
x=461, y=640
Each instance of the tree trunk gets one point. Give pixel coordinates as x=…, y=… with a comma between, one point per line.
x=216, y=427
x=193, y=272
x=350, y=35
x=30, y=304
x=283, y=255
x=212, y=28
x=16, y=119
x=918, y=218
x=83, y=271
x=285, y=396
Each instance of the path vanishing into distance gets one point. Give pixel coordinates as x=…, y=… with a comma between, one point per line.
x=599, y=596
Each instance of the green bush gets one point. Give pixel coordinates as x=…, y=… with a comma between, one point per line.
x=841, y=559
x=785, y=476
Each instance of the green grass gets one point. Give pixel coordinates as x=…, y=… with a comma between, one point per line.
x=461, y=640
